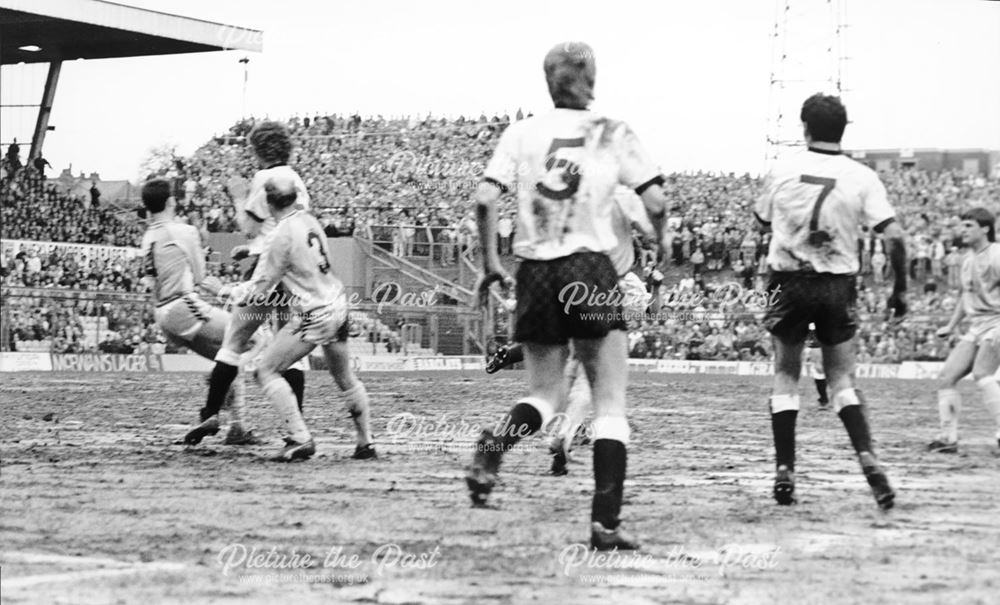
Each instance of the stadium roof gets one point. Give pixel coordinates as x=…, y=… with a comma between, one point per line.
x=42, y=31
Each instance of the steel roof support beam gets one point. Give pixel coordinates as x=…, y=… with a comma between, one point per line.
x=45, y=110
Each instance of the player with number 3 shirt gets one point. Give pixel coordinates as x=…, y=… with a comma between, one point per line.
x=296, y=257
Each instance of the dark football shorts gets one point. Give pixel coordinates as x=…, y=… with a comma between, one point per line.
x=576, y=296
x=825, y=299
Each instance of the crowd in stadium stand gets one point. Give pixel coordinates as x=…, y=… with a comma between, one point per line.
x=713, y=320
x=33, y=209
x=408, y=182
x=64, y=326
x=403, y=182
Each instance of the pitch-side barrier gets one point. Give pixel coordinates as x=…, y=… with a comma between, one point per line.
x=102, y=362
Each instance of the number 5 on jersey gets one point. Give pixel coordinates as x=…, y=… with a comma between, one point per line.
x=570, y=171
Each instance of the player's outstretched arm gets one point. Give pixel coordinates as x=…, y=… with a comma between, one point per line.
x=895, y=245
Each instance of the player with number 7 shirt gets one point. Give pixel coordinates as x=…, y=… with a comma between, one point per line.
x=815, y=203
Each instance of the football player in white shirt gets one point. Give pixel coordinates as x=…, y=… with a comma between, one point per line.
x=815, y=203
x=296, y=256
x=272, y=145
x=564, y=166
x=978, y=351
x=629, y=214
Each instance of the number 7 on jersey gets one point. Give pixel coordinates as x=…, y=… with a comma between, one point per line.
x=828, y=185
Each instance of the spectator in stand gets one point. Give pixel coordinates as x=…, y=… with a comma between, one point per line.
x=718, y=252
x=953, y=264
x=937, y=259
x=14, y=158
x=697, y=261
x=190, y=188
x=734, y=242
x=40, y=163
x=95, y=195
x=878, y=262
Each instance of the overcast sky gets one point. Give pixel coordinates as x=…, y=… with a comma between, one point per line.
x=691, y=77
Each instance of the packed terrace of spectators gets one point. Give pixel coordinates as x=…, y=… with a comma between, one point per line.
x=408, y=182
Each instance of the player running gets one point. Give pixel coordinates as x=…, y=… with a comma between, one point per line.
x=175, y=262
x=565, y=165
x=296, y=257
x=272, y=145
x=978, y=351
x=628, y=214
x=815, y=203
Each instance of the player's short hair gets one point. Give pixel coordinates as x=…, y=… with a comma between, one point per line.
x=280, y=195
x=271, y=142
x=155, y=193
x=984, y=218
x=825, y=117
x=570, y=72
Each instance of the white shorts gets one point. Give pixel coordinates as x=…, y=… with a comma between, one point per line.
x=321, y=326
x=984, y=332
x=181, y=318
x=250, y=360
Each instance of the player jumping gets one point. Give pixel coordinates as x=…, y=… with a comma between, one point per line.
x=978, y=351
x=815, y=203
x=175, y=261
x=296, y=257
x=565, y=165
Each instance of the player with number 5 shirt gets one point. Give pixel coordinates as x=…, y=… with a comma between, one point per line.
x=564, y=167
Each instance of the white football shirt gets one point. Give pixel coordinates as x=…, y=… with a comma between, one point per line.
x=296, y=255
x=981, y=284
x=565, y=165
x=816, y=203
x=256, y=202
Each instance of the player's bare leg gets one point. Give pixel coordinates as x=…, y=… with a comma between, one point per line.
x=957, y=366
x=545, y=364
x=849, y=405
x=238, y=335
x=356, y=399
x=606, y=363
x=284, y=350
x=244, y=322
x=295, y=375
x=784, y=414
x=206, y=343
x=984, y=371
x=569, y=419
